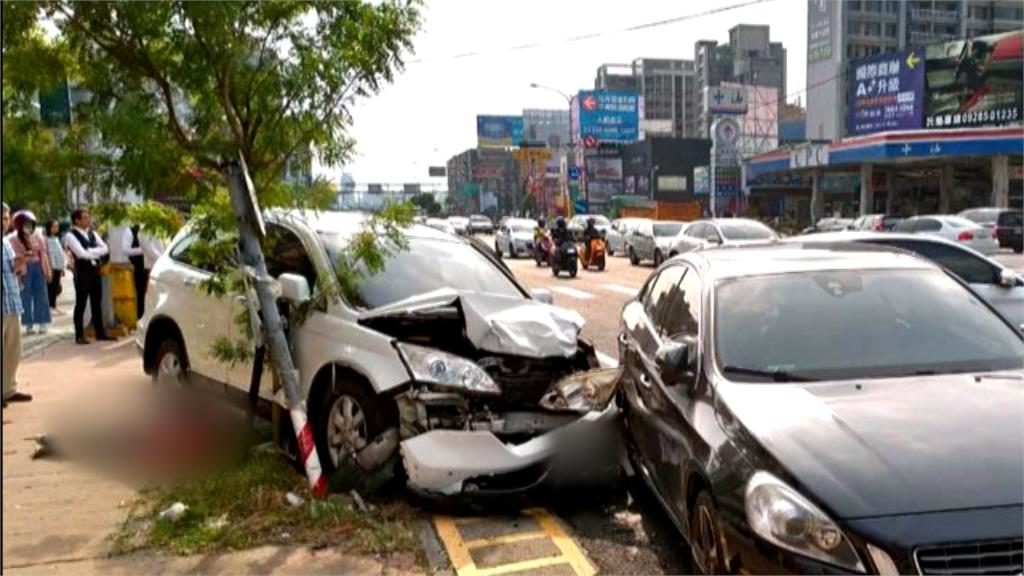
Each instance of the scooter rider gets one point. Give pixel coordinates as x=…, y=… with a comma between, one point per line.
x=539, y=231
x=590, y=232
x=561, y=233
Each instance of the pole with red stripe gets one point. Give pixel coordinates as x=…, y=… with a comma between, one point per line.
x=251, y=231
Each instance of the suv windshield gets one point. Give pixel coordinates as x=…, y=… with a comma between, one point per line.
x=865, y=324
x=667, y=229
x=736, y=230
x=428, y=264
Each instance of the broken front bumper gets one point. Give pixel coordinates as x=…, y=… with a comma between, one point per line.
x=449, y=462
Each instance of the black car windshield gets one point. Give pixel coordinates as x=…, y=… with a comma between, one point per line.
x=856, y=324
x=745, y=231
x=426, y=265
x=667, y=229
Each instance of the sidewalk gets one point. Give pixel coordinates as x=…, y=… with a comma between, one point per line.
x=58, y=516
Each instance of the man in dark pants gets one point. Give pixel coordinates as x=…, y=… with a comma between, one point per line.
x=90, y=253
x=133, y=248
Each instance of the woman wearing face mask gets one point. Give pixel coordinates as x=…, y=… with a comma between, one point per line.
x=30, y=245
x=58, y=261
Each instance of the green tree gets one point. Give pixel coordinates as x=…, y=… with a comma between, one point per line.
x=427, y=203
x=179, y=87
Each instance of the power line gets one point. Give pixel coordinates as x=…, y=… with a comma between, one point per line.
x=593, y=35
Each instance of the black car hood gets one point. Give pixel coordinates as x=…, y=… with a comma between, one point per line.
x=893, y=446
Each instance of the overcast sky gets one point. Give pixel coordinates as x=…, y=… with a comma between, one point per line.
x=429, y=113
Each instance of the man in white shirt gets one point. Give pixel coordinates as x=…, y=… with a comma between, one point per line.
x=142, y=250
x=90, y=254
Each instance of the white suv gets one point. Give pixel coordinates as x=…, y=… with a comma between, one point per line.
x=443, y=355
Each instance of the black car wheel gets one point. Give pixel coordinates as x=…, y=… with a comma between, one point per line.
x=497, y=249
x=706, y=537
x=633, y=260
x=658, y=259
x=171, y=365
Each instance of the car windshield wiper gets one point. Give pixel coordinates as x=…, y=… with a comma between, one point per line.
x=774, y=375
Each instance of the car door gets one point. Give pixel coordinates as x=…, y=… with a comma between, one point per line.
x=646, y=241
x=285, y=253
x=675, y=403
x=979, y=272
x=643, y=338
x=202, y=317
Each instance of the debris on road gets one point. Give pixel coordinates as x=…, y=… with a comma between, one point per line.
x=174, y=512
x=360, y=503
x=631, y=521
x=294, y=500
x=218, y=523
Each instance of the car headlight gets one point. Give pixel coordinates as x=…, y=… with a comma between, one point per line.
x=780, y=515
x=445, y=370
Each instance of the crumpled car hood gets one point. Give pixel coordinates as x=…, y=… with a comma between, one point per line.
x=501, y=324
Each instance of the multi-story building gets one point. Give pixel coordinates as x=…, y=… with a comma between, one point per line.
x=839, y=32
x=481, y=179
x=668, y=94
x=750, y=58
x=615, y=77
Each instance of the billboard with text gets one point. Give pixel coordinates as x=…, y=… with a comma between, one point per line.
x=608, y=116
x=975, y=82
x=886, y=92
x=499, y=131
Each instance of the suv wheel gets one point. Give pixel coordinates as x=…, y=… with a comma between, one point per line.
x=346, y=418
x=497, y=249
x=171, y=364
x=658, y=258
x=632, y=257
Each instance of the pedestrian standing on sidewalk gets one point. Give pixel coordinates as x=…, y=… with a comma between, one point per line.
x=90, y=253
x=11, y=318
x=152, y=249
x=132, y=245
x=58, y=262
x=29, y=244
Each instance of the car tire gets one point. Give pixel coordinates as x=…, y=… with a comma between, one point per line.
x=346, y=417
x=706, y=536
x=1018, y=249
x=497, y=249
x=658, y=258
x=633, y=260
x=171, y=364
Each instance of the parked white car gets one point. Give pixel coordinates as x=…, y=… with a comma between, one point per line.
x=953, y=228
x=998, y=285
x=515, y=238
x=443, y=357
x=652, y=240
x=709, y=233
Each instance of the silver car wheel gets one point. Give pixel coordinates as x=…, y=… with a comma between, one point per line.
x=346, y=428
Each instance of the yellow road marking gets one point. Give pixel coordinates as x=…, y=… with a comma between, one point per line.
x=458, y=553
x=459, y=549
x=580, y=564
x=511, y=538
x=519, y=566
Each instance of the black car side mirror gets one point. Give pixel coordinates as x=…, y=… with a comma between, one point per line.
x=677, y=360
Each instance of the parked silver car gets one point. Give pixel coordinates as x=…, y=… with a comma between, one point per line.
x=721, y=232
x=652, y=240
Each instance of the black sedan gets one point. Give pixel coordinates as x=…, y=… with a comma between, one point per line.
x=816, y=411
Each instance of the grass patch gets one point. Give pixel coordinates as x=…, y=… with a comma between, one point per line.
x=245, y=506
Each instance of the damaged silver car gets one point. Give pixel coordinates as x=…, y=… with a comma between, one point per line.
x=442, y=362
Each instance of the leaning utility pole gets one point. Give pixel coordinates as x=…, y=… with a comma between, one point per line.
x=251, y=231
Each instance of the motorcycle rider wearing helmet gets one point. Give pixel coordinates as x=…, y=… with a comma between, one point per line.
x=540, y=230
x=561, y=233
x=590, y=232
